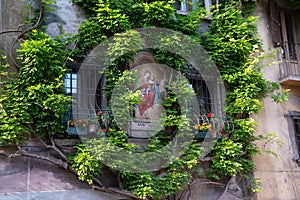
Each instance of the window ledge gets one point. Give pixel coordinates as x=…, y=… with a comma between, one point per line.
x=208, y=17
x=67, y=141
x=293, y=80
x=180, y=12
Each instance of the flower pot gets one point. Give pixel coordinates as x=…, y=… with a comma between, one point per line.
x=105, y=130
x=81, y=130
x=92, y=128
x=202, y=134
x=102, y=131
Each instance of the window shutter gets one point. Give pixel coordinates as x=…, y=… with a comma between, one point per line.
x=275, y=23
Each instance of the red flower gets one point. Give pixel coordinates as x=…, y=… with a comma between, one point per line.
x=99, y=112
x=209, y=115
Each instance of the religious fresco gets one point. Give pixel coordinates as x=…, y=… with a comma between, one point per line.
x=151, y=87
x=151, y=91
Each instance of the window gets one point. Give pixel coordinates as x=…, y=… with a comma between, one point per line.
x=283, y=24
x=184, y=6
x=77, y=89
x=294, y=130
x=209, y=3
x=70, y=83
x=285, y=29
x=203, y=104
x=296, y=121
x=289, y=43
x=88, y=102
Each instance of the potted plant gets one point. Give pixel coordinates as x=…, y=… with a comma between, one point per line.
x=81, y=126
x=202, y=130
x=202, y=127
x=71, y=129
x=102, y=120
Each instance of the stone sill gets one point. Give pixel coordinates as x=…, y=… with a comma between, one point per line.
x=61, y=142
x=207, y=17
x=291, y=80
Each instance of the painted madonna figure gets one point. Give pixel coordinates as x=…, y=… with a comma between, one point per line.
x=150, y=93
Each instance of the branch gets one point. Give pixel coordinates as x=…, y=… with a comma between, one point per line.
x=3, y=153
x=206, y=159
x=64, y=147
x=66, y=166
x=189, y=189
x=120, y=182
x=116, y=192
x=10, y=31
x=96, y=180
x=13, y=31
x=55, y=161
x=60, y=153
x=53, y=146
x=36, y=25
x=231, y=181
x=29, y=126
x=18, y=146
x=52, y=160
x=201, y=181
x=226, y=188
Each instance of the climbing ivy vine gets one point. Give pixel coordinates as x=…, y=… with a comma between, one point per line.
x=236, y=49
x=33, y=100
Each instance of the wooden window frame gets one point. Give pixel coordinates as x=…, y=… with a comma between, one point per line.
x=100, y=100
x=291, y=116
x=284, y=34
x=189, y=4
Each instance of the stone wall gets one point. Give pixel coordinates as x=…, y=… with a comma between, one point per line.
x=63, y=18
x=280, y=176
x=11, y=17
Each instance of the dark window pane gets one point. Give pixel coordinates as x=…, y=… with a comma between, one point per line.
x=201, y=91
x=297, y=131
x=290, y=36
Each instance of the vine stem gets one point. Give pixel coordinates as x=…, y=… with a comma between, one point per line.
x=10, y=31
x=117, y=192
x=201, y=181
x=52, y=160
x=52, y=146
x=66, y=166
x=22, y=33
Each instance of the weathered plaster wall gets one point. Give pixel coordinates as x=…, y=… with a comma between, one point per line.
x=11, y=16
x=64, y=17
x=280, y=176
x=27, y=178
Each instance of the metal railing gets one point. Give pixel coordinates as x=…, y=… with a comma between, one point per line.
x=87, y=105
x=89, y=101
x=211, y=126
x=289, y=60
